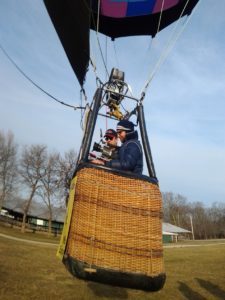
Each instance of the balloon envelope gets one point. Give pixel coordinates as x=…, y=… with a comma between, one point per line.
x=73, y=20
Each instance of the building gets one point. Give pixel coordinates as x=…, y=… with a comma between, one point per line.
x=38, y=215
x=172, y=233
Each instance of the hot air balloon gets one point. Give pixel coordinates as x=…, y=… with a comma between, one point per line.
x=113, y=226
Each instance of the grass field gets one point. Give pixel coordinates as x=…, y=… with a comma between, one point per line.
x=32, y=271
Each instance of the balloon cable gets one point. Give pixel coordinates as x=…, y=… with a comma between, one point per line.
x=97, y=36
x=35, y=84
x=169, y=46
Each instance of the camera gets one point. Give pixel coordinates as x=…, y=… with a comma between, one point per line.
x=105, y=150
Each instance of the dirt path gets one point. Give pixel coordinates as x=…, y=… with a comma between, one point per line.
x=194, y=245
x=28, y=241
x=165, y=246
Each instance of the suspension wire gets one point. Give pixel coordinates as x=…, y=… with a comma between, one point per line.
x=164, y=53
x=106, y=60
x=97, y=34
x=106, y=55
x=35, y=84
x=91, y=59
x=98, y=80
x=169, y=46
x=160, y=16
x=115, y=52
x=82, y=96
x=152, y=42
x=102, y=56
x=97, y=27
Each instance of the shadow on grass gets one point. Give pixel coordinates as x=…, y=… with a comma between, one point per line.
x=103, y=290
x=189, y=293
x=212, y=288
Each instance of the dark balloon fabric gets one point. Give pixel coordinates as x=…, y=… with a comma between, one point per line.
x=125, y=18
x=73, y=20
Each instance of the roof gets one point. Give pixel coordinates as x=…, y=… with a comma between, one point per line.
x=169, y=233
x=38, y=210
x=167, y=227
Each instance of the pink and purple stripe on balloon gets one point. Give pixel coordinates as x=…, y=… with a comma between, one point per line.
x=131, y=8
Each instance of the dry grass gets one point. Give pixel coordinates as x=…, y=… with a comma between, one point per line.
x=33, y=272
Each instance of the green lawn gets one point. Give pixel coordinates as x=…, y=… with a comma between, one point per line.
x=30, y=271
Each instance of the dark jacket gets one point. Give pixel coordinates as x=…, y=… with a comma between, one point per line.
x=130, y=155
x=115, y=153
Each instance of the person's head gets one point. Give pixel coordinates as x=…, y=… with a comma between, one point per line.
x=111, y=137
x=124, y=128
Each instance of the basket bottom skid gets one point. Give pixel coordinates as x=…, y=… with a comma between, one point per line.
x=84, y=271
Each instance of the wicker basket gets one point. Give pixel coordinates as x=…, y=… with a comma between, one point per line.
x=116, y=229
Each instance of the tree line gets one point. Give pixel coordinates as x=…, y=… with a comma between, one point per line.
x=206, y=222
x=35, y=172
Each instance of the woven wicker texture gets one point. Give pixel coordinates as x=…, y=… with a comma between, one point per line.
x=116, y=223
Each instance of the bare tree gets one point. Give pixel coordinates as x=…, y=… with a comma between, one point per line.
x=216, y=216
x=50, y=185
x=175, y=208
x=56, y=181
x=67, y=167
x=8, y=167
x=32, y=170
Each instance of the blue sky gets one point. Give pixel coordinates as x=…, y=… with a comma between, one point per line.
x=184, y=105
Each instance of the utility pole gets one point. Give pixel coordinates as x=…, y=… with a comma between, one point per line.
x=192, y=229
